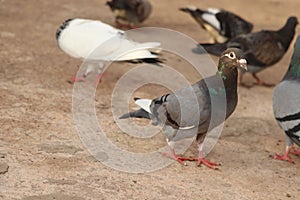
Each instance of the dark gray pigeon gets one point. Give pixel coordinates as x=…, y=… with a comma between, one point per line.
x=262, y=49
x=221, y=24
x=286, y=105
x=190, y=109
x=132, y=12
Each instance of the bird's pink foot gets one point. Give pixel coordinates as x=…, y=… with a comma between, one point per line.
x=284, y=157
x=177, y=158
x=78, y=79
x=262, y=83
x=207, y=163
x=84, y=79
x=295, y=152
x=99, y=77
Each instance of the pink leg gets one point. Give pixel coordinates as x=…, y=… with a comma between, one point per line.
x=201, y=160
x=78, y=79
x=285, y=156
x=99, y=78
x=83, y=78
x=260, y=82
x=176, y=157
x=295, y=151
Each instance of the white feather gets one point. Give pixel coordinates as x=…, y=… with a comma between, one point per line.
x=186, y=127
x=94, y=40
x=211, y=19
x=144, y=104
x=192, y=7
x=213, y=10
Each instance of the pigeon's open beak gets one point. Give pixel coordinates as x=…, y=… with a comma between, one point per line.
x=243, y=64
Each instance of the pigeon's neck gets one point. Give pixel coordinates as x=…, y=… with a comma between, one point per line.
x=287, y=33
x=229, y=76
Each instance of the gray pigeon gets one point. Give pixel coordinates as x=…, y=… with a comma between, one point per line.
x=132, y=12
x=286, y=105
x=221, y=24
x=262, y=49
x=190, y=108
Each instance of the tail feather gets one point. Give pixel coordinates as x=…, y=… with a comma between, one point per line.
x=136, y=114
x=215, y=49
x=193, y=10
x=156, y=61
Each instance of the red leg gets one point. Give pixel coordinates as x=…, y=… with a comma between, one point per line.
x=285, y=156
x=99, y=78
x=295, y=151
x=260, y=82
x=201, y=159
x=207, y=163
x=78, y=79
x=176, y=157
x=83, y=78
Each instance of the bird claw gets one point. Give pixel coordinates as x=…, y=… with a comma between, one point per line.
x=177, y=158
x=283, y=157
x=78, y=79
x=295, y=152
x=84, y=79
x=207, y=163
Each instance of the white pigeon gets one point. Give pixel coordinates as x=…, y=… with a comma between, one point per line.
x=95, y=41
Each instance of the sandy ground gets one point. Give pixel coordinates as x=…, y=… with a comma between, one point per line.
x=41, y=154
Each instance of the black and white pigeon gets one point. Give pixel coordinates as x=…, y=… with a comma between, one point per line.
x=262, y=49
x=130, y=13
x=286, y=105
x=191, y=107
x=97, y=42
x=222, y=25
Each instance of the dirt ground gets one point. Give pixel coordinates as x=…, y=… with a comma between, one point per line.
x=41, y=154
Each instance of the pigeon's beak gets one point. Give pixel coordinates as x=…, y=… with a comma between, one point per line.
x=243, y=64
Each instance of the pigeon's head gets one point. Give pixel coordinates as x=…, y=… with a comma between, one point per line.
x=232, y=58
x=293, y=20
x=62, y=27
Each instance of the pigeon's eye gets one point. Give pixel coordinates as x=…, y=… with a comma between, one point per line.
x=231, y=55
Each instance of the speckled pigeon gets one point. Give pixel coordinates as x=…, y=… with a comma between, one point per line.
x=132, y=12
x=191, y=107
x=221, y=24
x=286, y=105
x=262, y=49
x=97, y=42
